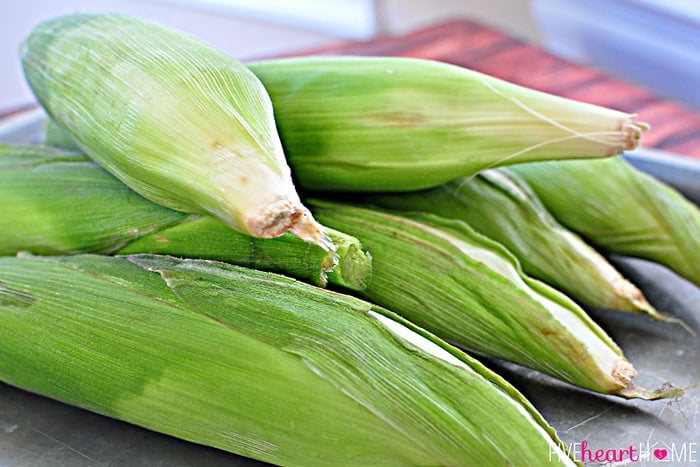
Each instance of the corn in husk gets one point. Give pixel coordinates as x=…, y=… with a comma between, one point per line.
x=178, y=121
x=621, y=210
x=59, y=202
x=256, y=364
x=398, y=124
x=469, y=290
x=500, y=205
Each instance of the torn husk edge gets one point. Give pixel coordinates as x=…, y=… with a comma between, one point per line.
x=501, y=206
x=619, y=369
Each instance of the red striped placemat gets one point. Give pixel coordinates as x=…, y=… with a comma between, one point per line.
x=674, y=127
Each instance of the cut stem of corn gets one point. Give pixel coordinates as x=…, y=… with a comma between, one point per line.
x=256, y=364
x=398, y=124
x=502, y=206
x=207, y=238
x=621, y=210
x=178, y=121
x=60, y=202
x=469, y=290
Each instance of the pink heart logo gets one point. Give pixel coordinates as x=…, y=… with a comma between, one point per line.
x=660, y=454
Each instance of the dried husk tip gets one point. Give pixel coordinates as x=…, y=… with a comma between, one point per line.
x=632, y=132
x=289, y=216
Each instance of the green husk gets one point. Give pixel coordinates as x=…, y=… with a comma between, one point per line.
x=398, y=124
x=621, y=210
x=59, y=202
x=55, y=137
x=178, y=121
x=500, y=205
x=256, y=364
x=469, y=290
x=207, y=238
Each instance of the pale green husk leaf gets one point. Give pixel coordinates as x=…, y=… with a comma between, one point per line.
x=256, y=364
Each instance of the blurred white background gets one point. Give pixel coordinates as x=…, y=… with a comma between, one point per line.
x=653, y=42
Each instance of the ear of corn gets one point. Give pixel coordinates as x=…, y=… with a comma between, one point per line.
x=470, y=291
x=45, y=195
x=621, y=210
x=500, y=205
x=59, y=202
x=178, y=121
x=256, y=364
x=397, y=124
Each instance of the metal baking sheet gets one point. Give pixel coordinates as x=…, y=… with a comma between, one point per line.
x=36, y=431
